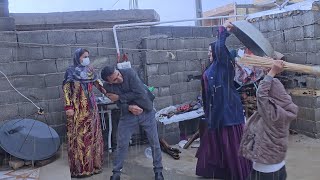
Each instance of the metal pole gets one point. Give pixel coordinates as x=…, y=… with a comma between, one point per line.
x=198, y=4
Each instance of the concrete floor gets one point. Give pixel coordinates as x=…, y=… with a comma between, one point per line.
x=303, y=162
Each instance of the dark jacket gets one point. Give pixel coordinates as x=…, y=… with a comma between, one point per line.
x=265, y=138
x=131, y=91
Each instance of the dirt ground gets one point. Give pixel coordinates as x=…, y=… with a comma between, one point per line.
x=303, y=162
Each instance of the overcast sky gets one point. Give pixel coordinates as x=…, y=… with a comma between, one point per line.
x=167, y=9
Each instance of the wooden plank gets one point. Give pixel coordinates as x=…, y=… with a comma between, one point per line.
x=304, y=92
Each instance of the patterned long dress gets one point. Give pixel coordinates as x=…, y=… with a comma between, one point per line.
x=85, y=141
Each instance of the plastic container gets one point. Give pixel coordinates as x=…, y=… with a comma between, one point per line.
x=148, y=152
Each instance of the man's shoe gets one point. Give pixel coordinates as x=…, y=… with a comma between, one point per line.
x=158, y=176
x=115, y=177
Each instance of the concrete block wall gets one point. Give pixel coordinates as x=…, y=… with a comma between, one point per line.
x=297, y=35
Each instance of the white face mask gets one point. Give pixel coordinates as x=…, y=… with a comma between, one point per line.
x=85, y=61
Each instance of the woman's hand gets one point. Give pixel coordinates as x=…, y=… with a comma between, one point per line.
x=277, y=68
x=70, y=112
x=228, y=25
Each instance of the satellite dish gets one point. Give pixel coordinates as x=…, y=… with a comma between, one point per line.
x=29, y=139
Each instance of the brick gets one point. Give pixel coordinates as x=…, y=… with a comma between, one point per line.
x=56, y=52
x=177, y=66
x=290, y=46
x=178, y=88
x=6, y=55
x=313, y=58
x=178, y=77
x=156, y=57
x=178, y=32
x=162, y=102
x=280, y=47
x=152, y=69
x=88, y=37
x=15, y=68
x=56, y=105
x=62, y=37
x=163, y=69
x=41, y=67
x=8, y=112
x=162, y=43
x=164, y=91
x=149, y=43
x=299, y=58
x=307, y=45
x=194, y=86
x=53, y=79
x=294, y=34
x=165, y=30
x=193, y=65
x=26, y=109
x=106, y=49
x=185, y=55
x=28, y=53
x=190, y=96
x=159, y=80
x=202, y=32
x=38, y=37
x=268, y=25
x=63, y=64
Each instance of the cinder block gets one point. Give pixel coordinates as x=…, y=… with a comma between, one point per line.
x=307, y=45
x=62, y=37
x=156, y=57
x=202, y=32
x=56, y=105
x=136, y=33
x=163, y=69
x=165, y=30
x=194, y=86
x=202, y=54
x=313, y=58
x=8, y=112
x=294, y=34
x=164, y=91
x=267, y=25
x=41, y=67
x=28, y=53
x=33, y=81
x=63, y=64
x=54, y=79
x=309, y=31
x=185, y=55
x=193, y=65
x=306, y=18
x=55, y=118
x=162, y=43
x=6, y=55
x=6, y=36
x=175, y=44
x=37, y=37
x=190, y=96
x=152, y=69
x=89, y=37
x=170, y=132
x=149, y=43
x=178, y=88
x=56, y=52
x=305, y=101
x=106, y=49
x=299, y=58
x=275, y=36
x=284, y=23
x=193, y=43
x=280, y=47
x=177, y=66
x=159, y=80
x=108, y=37
x=290, y=46
x=162, y=102
x=14, y=68
x=181, y=31
x=137, y=58
x=176, y=99
x=26, y=109
x=178, y=77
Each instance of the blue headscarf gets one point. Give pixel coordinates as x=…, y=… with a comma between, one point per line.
x=78, y=72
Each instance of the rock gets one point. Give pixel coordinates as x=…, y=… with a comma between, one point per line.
x=16, y=164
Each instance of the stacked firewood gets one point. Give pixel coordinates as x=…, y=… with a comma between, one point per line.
x=249, y=101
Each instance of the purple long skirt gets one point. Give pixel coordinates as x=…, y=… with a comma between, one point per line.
x=218, y=154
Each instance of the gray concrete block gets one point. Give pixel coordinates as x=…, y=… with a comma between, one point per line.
x=268, y=25
x=14, y=68
x=156, y=57
x=169, y=132
x=256, y=24
x=162, y=44
x=8, y=112
x=202, y=32
x=26, y=109
x=284, y=23
x=165, y=30
x=62, y=37
x=163, y=69
x=175, y=44
x=6, y=55
x=194, y=86
x=193, y=65
x=306, y=113
x=177, y=77
x=149, y=43
x=290, y=46
x=54, y=79
x=280, y=47
x=56, y=105
x=37, y=37
x=106, y=49
x=190, y=96
x=185, y=55
x=41, y=67
x=181, y=31
x=56, y=52
x=152, y=69
x=299, y=58
x=159, y=80
x=306, y=18
x=136, y=33
x=54, y=118
x=304, y=101
x=203, y=54
x=108, y=37
x=193, y=43
x=89, y=37
x=33, y=81
x=162, y=102
x=307, y=45
x=275, y=36
x=164, y=91
x=310, y=31
x=313, y=58
x=28, y=53
x=176, y=99
x=168, y=128
x=137, y=58
x=6, y=36
x=294, y=34
x=177, y=66
x=63, y=64
x=178, y=88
